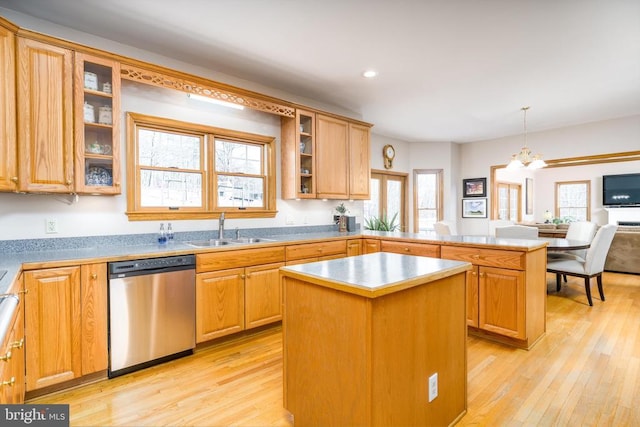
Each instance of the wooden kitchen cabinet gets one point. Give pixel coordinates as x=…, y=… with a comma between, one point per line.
x=504, y=301
x=237, y=290
x=93, y=293
x=8, y=144
x=45, y=117
x=354, y=247
x=12, y=373
x=319, y=251
x=332, y=158
x=406, y=248
x=359, y=161
x=324, y=157
x=53, y=323
x=97, y=125
x=298, y=145
x=219, y=303
x=262, y=295
x=66, y=320
x=370, y=246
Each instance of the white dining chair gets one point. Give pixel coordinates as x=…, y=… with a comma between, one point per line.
x=517, y=232
x=579, y=230
x=591, y=266
x=495, y=223
x=445, y=228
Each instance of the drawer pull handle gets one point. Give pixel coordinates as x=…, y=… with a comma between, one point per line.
x=10, y=383
x=6, y=357
x=18, y=344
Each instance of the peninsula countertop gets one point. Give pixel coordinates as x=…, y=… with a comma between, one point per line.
x=375, y=274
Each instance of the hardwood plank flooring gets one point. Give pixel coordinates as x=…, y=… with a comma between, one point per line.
x=585, y=371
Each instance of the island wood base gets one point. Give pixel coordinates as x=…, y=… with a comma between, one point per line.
x=359, y=361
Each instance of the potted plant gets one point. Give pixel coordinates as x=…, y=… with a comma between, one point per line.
x=382, y=223
x=342, y=219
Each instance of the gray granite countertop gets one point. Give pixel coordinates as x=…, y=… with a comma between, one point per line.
x=375, y=274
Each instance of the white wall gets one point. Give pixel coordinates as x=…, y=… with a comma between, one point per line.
x=610, y=136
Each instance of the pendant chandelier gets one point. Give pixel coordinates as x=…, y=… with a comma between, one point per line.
x=524, y=157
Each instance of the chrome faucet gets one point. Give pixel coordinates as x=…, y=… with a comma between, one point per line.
x=221, y=226
x=237, y=233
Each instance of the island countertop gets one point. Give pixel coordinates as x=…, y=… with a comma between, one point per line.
x=375, y=274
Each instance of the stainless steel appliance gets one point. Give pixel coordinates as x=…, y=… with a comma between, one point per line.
x=151, y=312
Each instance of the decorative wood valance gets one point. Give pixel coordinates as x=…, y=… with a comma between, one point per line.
x=147, y=76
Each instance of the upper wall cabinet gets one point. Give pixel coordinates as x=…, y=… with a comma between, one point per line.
x=324, y=157
x=45, y=117
x=97, y=125
x=8, y=161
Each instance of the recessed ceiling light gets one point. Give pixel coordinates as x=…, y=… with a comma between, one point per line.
x=369, y=74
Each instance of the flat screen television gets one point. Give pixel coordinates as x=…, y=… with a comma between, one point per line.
x=621, y=190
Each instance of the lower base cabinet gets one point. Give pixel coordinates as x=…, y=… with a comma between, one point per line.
x=66, y=320
x=230, y=300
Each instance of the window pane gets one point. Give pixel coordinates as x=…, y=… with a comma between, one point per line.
x=175, y=189
x=426, y=219
x=239, y=191
x=168, y=150
x=427, y=191
x=237, y=157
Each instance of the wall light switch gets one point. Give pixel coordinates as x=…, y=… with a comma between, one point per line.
x=433, y=387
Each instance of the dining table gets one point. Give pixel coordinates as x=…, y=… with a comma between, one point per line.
x=561, y=244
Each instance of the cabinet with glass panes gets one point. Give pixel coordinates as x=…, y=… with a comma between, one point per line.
x=298, y=151
x=97, y=129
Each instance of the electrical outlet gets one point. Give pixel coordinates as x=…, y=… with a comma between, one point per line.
x=433, y=387
x=289, y=220
x=50, y=226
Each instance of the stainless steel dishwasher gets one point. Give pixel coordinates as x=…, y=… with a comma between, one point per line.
x=151, y=312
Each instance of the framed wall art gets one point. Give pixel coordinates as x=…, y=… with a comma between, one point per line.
x=474, y=187
x=474, y=208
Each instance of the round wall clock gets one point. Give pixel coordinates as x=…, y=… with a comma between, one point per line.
x=388, y=153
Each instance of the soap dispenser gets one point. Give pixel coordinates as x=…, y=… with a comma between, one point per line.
x=169, y=233
x=162, y=235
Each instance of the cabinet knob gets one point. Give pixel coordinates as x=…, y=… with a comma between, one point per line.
x=6, y=357
x=18, y=344
x=9, y=383
x=242, y=276
x=14, y=179
x=476, y=256
x=481, y=274
x=94, y=276
x=474, y=273
x=406, y=249
x=69, y=182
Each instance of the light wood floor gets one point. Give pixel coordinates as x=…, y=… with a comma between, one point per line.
x=585, y=371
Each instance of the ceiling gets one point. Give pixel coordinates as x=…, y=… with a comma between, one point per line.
x=449, y=70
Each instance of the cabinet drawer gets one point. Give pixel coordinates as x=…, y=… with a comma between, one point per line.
x=486, y=257
x=320, y=249
x=238, y=258
x=419, y=249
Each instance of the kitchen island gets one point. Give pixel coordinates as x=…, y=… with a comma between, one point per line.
x=364, y=335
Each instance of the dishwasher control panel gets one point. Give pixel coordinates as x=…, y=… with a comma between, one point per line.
x=120, y=268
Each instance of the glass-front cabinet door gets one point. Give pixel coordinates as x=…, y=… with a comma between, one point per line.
x=97, y=125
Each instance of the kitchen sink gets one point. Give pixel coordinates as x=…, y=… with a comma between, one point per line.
x=251, y=240
x=208, y=243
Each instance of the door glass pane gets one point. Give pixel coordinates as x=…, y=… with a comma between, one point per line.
x=372, y=207
x=394, y=200
x=503, y=202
